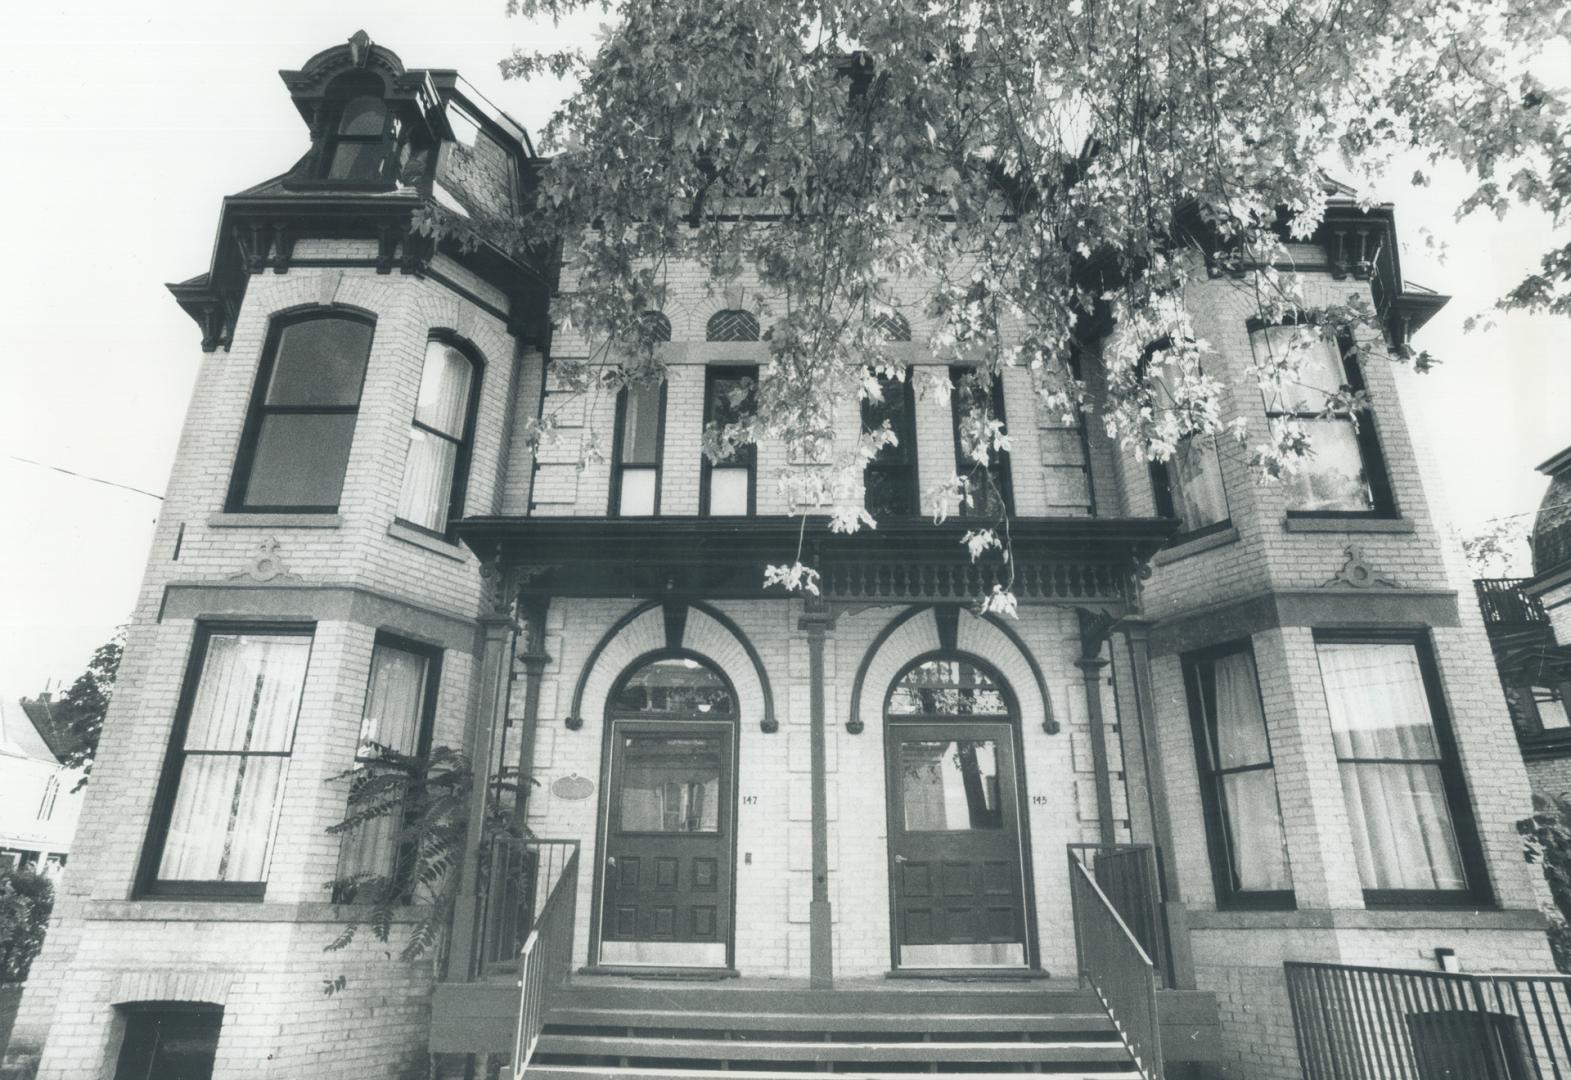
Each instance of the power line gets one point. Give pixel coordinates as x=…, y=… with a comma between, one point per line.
x=84, y=476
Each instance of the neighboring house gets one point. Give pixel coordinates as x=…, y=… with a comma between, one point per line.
x=1535, y=655
x=1258, y=723
x=38, y=803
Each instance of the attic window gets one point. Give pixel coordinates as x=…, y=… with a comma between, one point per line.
x=361, y=138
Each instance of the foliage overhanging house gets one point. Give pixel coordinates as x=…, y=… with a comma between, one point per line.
x=1233, y=726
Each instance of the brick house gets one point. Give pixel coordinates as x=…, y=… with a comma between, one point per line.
x=1258, y=723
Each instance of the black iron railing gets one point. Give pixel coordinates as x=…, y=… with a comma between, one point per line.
x=1505, y=605
x=1115, y=965
x=519, y=876
x=544, y=961
x=1127, y=874
x=1370, y=1023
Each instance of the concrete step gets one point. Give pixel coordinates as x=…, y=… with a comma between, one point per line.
x=918, y=1024
x=602, y=1072
x=861, y=1051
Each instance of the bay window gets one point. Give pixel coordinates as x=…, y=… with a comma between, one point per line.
x=437, y=464
x=635, y=473
x=1406, y=803
x=1238, y=779
x=218, y=803
x=727, y=486
x=295, y=447
x=400, y=705
x=1188, y=485
x=1345, y=473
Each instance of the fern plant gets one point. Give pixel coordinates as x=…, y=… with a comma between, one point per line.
x=1546, y=840
x=415, y=810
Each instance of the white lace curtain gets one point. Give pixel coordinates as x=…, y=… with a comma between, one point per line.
x=1254, y=818
x=435, y=437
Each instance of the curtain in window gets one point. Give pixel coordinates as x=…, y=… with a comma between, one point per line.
x=236, y=758
x=435, y=437
x=394, y=709
x=1254, y=819
x=1199, y=497
x=1390, y=763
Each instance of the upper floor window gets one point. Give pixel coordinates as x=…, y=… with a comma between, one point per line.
x=1238, y=779
x=892, y=325
x=1345, y=472
x=400, y=705
x=295, y=447
x=1188, y=485
x=989, y=491
x=732, y=325
x=635, y=474
x=362, y=134
x=219, y=800
x=727, y=485
x=1400, y=780
x=437, y=465
x=889, y=481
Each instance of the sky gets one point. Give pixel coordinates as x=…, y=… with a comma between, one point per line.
x=129, y=123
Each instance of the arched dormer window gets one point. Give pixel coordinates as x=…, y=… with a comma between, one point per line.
x=732, y=325
x=892, y=325
x=295, y=449
x=656, y=325
x=437, y=465
x=361, y=133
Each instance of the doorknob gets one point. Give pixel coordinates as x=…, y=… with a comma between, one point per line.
x=610, y=860
x=900, y=858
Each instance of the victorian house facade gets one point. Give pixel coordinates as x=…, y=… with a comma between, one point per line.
x=1234, y=727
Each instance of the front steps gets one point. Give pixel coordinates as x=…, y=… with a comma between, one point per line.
x=675, y=1032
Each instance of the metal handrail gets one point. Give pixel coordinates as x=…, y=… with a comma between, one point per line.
x=519, y=874
x=1414, y=1024
x=1113, y=963
x=544, y=962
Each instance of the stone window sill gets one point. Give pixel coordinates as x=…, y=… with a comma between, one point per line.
x=152, y=910
x=1369, y=919
x=1347, y=525
x=411, y=535
x=227, y=520
x=1209, y=541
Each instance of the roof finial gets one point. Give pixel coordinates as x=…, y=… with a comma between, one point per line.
x=360, y=48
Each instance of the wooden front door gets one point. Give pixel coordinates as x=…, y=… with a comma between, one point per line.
x=668, y=844
x=956, y=864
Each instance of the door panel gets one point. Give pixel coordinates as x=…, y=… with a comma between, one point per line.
x=955, y=845
x=668, y=871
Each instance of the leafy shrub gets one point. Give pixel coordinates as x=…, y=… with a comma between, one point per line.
x=1546, y=840
x=26, y=899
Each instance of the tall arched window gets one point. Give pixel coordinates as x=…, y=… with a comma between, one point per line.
x=295, y=448
x=437, y=464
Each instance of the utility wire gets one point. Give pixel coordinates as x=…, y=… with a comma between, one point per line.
x=84, y=476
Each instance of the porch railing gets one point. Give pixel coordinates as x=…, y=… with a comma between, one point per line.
x=520, y=876
x=1127, y=874
x=1113, y=963
x=1370, y=1023
x=1505, y=605
x=545, y=959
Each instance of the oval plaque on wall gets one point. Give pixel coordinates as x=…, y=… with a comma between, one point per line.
x=572, y=787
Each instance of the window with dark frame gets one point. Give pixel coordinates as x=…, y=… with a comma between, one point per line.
x=1345, y=474
x=727, y=486
x=397, y=715
x=168, y=1041
x=436, y=467
x=218, y=801
x=1188, y=485
x=1248, y=845
x=889, y=480
x=363, y=135
x=1407, y=805
x=294, y=450
x=640, y=426
x=991, y=493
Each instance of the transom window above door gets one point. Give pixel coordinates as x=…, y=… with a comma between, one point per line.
x=675, y=685
x=947, y=687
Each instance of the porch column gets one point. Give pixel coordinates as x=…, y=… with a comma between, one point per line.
x=1093, y=630
x=815, y=622
x=534, y=658
x=1137, y=634
x=490, y=716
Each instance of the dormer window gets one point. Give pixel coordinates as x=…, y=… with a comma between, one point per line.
x=359, y=142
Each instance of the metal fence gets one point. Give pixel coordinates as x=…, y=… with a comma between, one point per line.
x=519, y=876
x=1113, y=963
x=544, y=960
x=1370, y=1023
